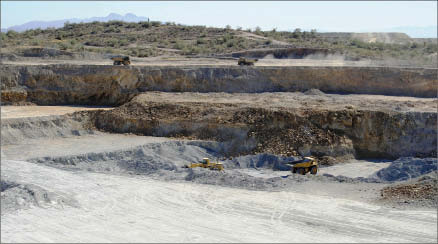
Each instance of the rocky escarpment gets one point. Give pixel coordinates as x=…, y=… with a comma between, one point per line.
x=110, y=85
x=383, y=133
x=361, y=133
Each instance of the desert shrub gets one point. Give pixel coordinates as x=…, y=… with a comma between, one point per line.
x=36, y=42
x=107, y=50
x=132, y=38
x=79, y=48
x=258, y=30
x=123, y=42
x=94, y=42
x=297, y=33
x=112, y=29
x=131, y=25
x=116, y=23
x=4, y=37
x=60, y=35
x=203, y=34
x=63, y=45
x=12, y=34
x=179, y=45
x=112, y=42
x=144, y=24
x=230, y=43
x=155, y=23
x=431, y=48
x=200, y=41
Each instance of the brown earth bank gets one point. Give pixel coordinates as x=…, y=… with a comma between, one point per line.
x=110, y=85
x=274, y=123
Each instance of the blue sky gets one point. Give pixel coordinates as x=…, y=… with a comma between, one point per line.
x=333, y=16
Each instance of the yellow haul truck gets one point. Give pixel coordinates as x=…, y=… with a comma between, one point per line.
x=205, y=163
x=302, y=167
x=119, y=60
x=246, y=61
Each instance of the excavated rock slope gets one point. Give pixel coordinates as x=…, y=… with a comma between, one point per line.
x=110, y=85
x=284, y=123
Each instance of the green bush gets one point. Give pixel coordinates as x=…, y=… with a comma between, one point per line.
x=12, y=34
x=132, y=38
x=155, y=23
x=131, y=25
x=36, y=43
x=123, y=42
x=63, y=46
x=144, y=24
x=179, y=45
x=116, y=22
x=112, y=42
x=200, y=41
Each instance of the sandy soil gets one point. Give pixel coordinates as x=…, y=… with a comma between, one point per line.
x=122, y=209
x=299, y=100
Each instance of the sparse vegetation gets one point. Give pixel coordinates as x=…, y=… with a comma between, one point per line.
x=146, y=39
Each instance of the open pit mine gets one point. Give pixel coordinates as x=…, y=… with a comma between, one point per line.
x=96, y=153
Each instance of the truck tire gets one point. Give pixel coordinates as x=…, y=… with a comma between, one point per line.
x=313, y=170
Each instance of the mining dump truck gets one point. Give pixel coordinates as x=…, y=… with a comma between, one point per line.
x=302, y=167
x=205, y=163
x=246, y=61
x=119, y=60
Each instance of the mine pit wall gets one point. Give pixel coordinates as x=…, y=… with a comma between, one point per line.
x=352, y=133
x=344, y=133
x=377, y=134
x=111, y=85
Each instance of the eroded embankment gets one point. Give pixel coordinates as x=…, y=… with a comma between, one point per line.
x=284, y=131
x=20, y=130
x=110, y=85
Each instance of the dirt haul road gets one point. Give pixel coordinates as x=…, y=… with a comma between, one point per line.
x=133, y=209
x=332, y=60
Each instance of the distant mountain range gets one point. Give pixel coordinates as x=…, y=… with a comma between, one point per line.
x=60, y=23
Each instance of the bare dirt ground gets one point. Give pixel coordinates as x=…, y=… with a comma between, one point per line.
x=299, y=100
x=135, y=209
x=182, y=61
x=9, y=112
x=100, y=142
